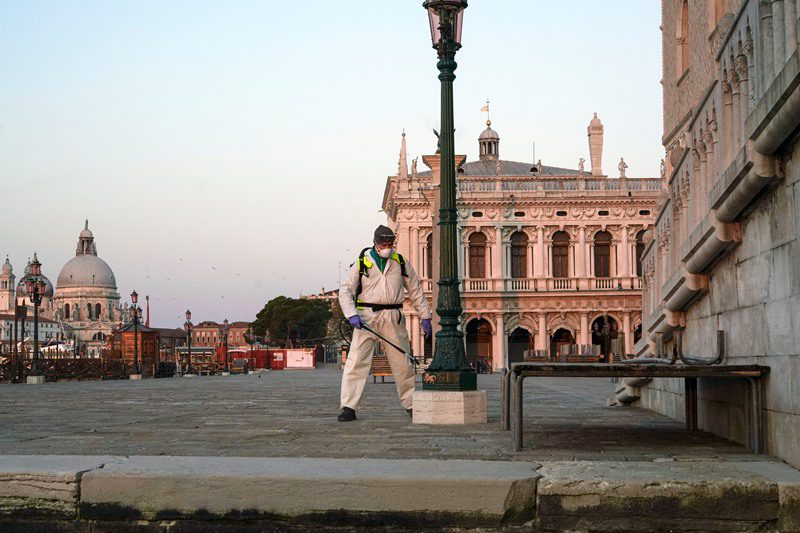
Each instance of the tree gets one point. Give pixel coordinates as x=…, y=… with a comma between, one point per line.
x=289, y=321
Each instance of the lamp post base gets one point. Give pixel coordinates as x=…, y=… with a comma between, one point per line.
x=450, y=407
x=450, y=380
x=35, y=380
x=135, y=376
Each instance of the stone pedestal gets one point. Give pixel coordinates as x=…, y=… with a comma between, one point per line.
x=226, y=373
x=135, y=376
x=450, y=407
x=35, y=380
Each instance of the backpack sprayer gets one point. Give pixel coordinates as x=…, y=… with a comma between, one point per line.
x=346, y=331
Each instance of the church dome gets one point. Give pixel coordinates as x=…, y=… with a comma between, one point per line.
x=86, y=271
x=7, y=268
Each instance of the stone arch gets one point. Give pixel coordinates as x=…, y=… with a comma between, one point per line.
x=466, y=318
x=566, y=322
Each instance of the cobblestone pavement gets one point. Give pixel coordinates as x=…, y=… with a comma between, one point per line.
x=293, y=413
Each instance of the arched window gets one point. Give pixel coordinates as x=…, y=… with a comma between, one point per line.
x=560, y=254
x=89, y=311
x=639, y=252
x=477, y=256
x=77, y=311
x=519, y=255
x=97, y=310
x=67, y=316
x=602, y=254
x=429, y=257
x=682, y=38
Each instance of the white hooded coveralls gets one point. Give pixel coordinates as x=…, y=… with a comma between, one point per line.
x=387, y=288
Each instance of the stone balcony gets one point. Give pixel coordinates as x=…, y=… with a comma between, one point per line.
x=533, y=285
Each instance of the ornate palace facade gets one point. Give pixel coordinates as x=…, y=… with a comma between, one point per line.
x=726, y=252
x=547, y=255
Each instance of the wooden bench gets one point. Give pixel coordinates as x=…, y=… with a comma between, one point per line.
x=380, y=368
x=512, y=379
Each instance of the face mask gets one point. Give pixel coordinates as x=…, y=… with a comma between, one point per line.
x=385, y=253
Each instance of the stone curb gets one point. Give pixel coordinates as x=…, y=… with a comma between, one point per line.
x=426, y=494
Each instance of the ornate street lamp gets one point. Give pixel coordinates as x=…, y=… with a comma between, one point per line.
x=225, y=341
x=188, y=327
x=136, y=314
x=35, y=287
x=449, y=369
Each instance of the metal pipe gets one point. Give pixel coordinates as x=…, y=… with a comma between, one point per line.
x=695, y=360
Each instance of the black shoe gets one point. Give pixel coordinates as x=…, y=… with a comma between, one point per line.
x=410, y=412
x=347, y=415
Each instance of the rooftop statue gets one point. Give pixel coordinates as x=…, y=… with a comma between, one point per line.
x=622, y=166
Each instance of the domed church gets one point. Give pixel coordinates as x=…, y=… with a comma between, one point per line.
x=86, y=298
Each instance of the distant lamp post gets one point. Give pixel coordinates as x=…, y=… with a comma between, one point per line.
x=449, y=369
x=225, y=343
x=188, y=326
x=35, y=287
x=136, y=315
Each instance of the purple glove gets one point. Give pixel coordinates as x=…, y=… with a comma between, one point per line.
x=356, y=322
x=427, y=327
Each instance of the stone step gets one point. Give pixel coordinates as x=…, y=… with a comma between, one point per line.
x=420, y=494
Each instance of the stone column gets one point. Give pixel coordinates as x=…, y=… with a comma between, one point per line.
x=626, y=328
x=497, y=255
x=584, y=336
x=542, y=339
x=539, y=268
x=624, y=259
x=499, y=352
x=413, y=248
x=529, y=255
x=580, y=257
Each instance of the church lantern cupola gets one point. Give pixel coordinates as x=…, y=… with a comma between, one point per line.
x=489, y=144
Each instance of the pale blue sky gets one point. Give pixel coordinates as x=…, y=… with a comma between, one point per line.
x=256, y=137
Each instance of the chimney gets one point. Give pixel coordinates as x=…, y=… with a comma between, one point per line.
x=596, y=145
x=147, y=306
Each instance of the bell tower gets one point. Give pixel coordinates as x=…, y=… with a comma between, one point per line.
x=489, y=144
x=7, y=287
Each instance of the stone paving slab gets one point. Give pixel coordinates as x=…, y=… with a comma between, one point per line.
x=704, y=495
x=482, y=492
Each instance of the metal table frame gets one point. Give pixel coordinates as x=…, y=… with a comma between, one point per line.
x=512, y=380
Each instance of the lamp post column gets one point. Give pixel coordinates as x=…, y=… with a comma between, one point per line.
x=449, y=369
x=35, y=287
x=135, y=315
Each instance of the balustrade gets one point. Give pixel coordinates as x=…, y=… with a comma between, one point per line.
x=521, y=284
x=605, y=283
x=558, y=185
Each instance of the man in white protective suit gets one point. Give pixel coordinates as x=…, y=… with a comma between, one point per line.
x=372, y=295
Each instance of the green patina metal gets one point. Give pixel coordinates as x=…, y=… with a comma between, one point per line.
x=449, y=369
